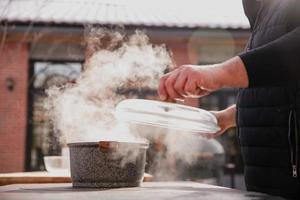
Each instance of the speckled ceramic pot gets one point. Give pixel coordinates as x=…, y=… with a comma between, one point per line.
x=105, y=164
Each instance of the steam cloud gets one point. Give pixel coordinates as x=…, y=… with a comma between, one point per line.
x=82, y=111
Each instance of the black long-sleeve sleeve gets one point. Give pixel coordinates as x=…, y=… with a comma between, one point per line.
x=275, y=62
x=279, y=60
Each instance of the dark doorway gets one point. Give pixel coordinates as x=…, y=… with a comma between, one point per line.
x=41, y=140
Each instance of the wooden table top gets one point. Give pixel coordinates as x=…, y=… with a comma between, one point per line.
x=43, y=177
x=34, y=177
x=147, y=191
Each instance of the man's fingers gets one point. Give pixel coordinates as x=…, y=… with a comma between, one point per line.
x=212, y=135
x=192, y=90
x=169, y=85
x=170, y=100
x=162, y=92
x=180, y=84
x=190, y=87
x=202, y=93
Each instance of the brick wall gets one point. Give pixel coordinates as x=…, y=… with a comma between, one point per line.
x=13, y=106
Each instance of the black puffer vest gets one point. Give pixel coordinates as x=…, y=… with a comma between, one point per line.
x=267, y=116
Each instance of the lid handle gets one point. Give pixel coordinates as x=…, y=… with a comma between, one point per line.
x=108, y=146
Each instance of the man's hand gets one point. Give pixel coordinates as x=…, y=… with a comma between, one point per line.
x=226, y=120
x=197, y=81
x=189, y=80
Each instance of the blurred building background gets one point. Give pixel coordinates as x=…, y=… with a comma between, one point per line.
x=41, y=44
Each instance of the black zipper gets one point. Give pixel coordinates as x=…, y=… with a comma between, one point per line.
x=294, y=147
x=237, y=117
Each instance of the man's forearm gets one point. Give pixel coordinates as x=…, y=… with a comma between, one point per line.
x=233, y=73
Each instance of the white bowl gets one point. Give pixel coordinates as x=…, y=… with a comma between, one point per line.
x=57, y=163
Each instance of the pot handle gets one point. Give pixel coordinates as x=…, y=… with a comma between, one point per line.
x=108, y=146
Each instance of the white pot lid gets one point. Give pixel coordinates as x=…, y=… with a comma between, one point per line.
x=167, y=115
